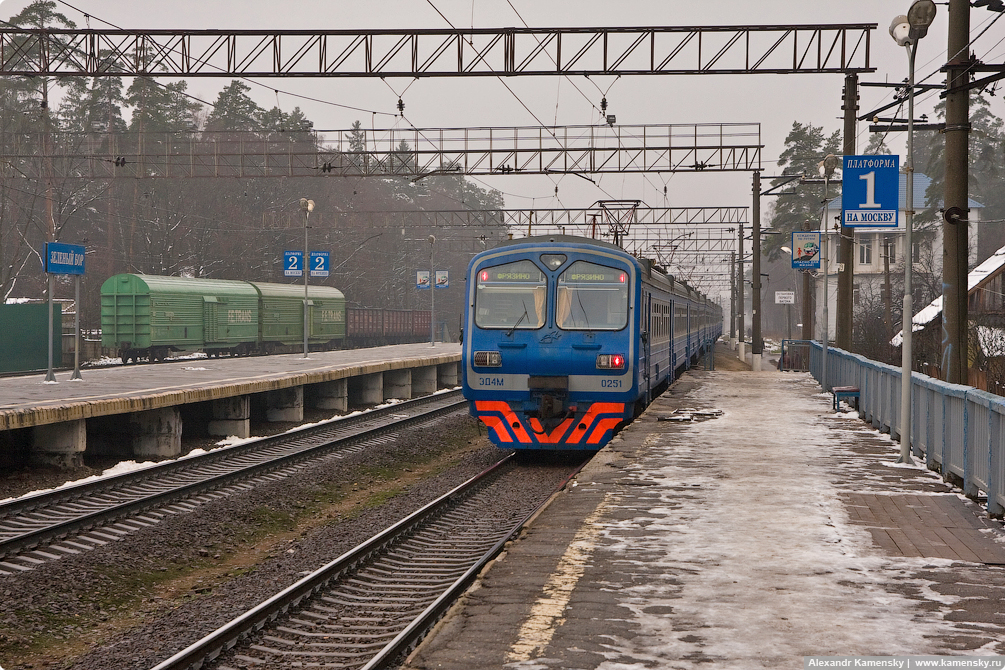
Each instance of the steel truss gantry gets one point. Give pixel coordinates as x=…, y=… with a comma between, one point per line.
x=408, y=152
x=822, y=48
x=692, y=243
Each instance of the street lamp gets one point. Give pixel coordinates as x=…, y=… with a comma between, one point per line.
x=432, y=295
x=306, y=206
x=906, y=31
x=826, y=169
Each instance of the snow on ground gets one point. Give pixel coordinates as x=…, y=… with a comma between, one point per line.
x=746, y=541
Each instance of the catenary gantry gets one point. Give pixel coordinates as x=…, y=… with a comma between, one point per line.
x=824, y=48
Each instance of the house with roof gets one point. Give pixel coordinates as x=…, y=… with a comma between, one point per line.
x=986, y=315
x=873, y=245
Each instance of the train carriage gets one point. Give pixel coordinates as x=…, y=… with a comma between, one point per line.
x=567, y=338
x=282, y=315
x=149, y=316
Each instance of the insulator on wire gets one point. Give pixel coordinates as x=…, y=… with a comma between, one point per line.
x=603, y=104
x=401, y=106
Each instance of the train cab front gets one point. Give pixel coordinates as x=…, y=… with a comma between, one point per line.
x=548, y=348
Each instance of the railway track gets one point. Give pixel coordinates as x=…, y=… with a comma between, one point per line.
x=372, y=605
x=40, y=528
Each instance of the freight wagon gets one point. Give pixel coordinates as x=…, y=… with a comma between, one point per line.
x=150, y=316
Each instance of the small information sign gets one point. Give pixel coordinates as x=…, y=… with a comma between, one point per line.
x=785, y=297
x=422, y=279
x=64, y=259
x=442, y=278
x=805, y=250
x=319, y=263
x=293, y=264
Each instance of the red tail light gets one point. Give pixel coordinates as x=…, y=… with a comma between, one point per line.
x=611, y=362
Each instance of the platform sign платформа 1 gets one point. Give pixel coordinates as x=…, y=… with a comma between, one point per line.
x=870, y=191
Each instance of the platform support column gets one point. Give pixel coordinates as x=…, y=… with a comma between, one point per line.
x=424, y=381
x=156, y=433
x=333, y=395
x=231, y=417
x=59, y=445
x=397, y=385
x=447, y=375
x=366, y=389
x=285, y=404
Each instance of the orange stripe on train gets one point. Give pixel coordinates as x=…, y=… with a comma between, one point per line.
x=511, y=419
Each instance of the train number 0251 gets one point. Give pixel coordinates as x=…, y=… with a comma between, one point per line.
x=610, y=383
x=491, y=381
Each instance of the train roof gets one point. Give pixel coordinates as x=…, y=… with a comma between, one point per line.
x=140, y=284
x=273, y=290
x=561, y=239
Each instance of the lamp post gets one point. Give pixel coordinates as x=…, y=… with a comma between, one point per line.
x=788, y=308
x=826, y=168
x=906, y=31
x=432, y=295
x=306, y=206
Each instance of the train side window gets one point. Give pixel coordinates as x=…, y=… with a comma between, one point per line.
x=511, y=296
x=592, y=297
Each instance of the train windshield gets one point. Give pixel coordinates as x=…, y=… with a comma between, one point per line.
x=592, y=297
x=511, y=296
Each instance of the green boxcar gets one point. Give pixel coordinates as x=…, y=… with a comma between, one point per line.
x=282, y=315
x=147, y=316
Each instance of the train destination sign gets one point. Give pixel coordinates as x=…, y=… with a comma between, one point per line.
x=870, y=191
x=64, y=259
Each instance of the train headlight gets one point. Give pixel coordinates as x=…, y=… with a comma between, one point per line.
x=610, y=362
x=488, y=359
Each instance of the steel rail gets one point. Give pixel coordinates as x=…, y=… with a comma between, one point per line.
x=211, y=646
x=203, y=473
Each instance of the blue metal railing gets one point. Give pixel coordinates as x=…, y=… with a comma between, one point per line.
x=955, y=429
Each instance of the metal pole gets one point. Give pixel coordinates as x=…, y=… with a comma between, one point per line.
x=76, y=329
x=432, y=295
x=905, y=353
x=306, y=268
x=826, y=241
x=755, y=288
x=49, y=377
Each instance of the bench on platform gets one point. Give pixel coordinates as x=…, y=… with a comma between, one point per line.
x=845, y=392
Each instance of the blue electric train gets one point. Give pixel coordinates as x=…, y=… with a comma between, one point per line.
x=567, y=338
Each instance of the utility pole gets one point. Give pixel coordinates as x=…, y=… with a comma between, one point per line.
x=846, y=255
x=755, y=286
x=739, y=297
x=808, y=295
x=954, y=231
x=733, y=297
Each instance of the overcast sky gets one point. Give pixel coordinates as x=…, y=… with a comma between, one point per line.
x=774, y=101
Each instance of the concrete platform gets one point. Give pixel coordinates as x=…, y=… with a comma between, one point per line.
x=141, y=411
x=28, y=401
x=775, y=531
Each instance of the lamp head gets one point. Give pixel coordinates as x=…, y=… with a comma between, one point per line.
x=920, y=16
x=900, y=30
x=827, y=166
x=306, y=205
x=906, y=30
x=432, y=238
x=786, y=250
